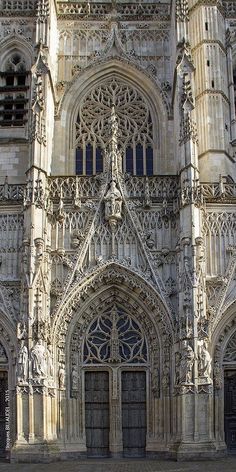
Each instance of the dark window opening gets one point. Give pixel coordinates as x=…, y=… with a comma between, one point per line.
x=99, y=160
x=129, y=160
x=89, y=159
x=13, y=107
x=149, y=160
x=139, y=159
x=21, y=80
x=79, y=161
x=10, y=80
x=206, y=26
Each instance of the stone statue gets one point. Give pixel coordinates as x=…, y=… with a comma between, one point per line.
x=61, y=377
x=186, y=363
x=150, y=242
x=113, y=202
x=74, y=379
x=204, y=361
x=39, y=359
x=166, y=376
x=218, y=376
x=155, y=382
x=49, y=362
x=22, y=366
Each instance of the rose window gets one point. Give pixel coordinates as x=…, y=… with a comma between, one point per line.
x=114, y=337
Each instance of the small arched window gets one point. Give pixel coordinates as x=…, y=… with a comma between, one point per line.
x=14, y=91
x=134, y=123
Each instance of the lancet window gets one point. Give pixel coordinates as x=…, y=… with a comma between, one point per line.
x=134, y=122
x=14, y=91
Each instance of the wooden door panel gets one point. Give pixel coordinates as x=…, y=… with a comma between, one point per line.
x=134, y=413
x=97, y=413
x=230, y=410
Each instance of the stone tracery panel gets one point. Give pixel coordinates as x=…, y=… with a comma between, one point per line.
x=134, y=122
x=114, y=337
x=11, y=234
x=220, y=231
x=230, y=351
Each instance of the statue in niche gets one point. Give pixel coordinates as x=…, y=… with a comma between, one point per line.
x=39, y=359
x=166, y=376
x=218, y=375
x=61, y=377
x=186, y=364
x=113, y=202
x=74, y=379
x=22, y=366
x=204, y=361
x=150, y=242
x=49, y=362
x=155, y=382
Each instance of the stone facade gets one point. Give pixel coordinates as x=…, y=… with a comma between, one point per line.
x=118, y=227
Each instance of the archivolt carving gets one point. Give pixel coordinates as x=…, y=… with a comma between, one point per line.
x=109, y=66
x=8, y=338
x=9, y=301
x=109, y=275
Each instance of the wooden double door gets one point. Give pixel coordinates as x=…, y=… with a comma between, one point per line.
x=230, y=409
x=98, y=420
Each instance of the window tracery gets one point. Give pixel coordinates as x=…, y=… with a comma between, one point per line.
x=13, y=91
x=114, y=336
x=230, y=352
x=134, y=122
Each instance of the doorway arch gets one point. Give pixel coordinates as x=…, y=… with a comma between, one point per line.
x=113, y=287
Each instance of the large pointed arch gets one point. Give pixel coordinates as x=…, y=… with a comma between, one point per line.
x=83, y=81
x=18, y=43
x=104, y=278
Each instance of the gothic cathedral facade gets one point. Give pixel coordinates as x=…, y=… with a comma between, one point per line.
x=118, y=229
